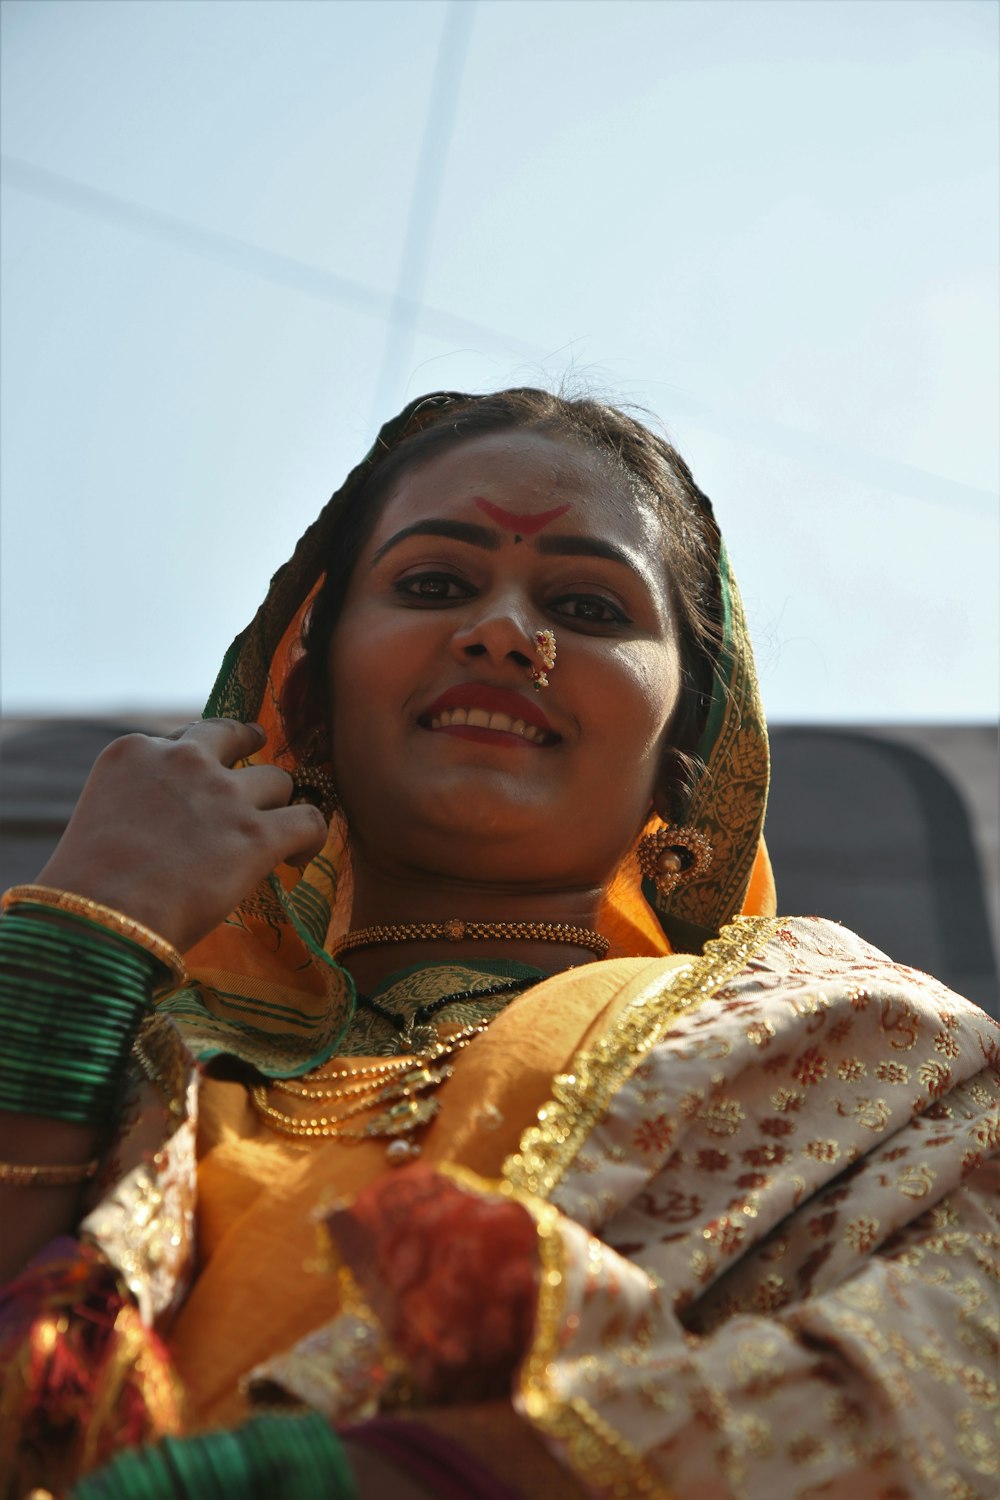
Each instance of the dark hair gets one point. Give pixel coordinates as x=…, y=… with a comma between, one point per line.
x=653, y=469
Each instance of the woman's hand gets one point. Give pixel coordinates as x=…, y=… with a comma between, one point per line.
x=167, y=832
x=450, y=1273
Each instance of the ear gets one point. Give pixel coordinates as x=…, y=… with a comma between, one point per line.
x=668, y=792
x=661, y=804
x=307, y=733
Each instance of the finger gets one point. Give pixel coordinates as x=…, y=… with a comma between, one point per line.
x=265, y=786
x=297, y=833
x=227, y=739
x=182, y=729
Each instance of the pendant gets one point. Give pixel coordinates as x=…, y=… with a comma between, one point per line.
x=400, y=1151
x=415, y=1039
x=401, y=1118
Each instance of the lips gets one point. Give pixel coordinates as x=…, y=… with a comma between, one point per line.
x=474, y=706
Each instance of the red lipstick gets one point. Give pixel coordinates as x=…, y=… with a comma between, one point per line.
x=493, y=700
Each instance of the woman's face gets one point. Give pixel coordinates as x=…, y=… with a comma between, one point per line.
x=447, y=758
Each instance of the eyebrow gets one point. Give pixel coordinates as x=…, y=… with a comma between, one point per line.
x=491, y=541
x=584, y=546
x=459, y=531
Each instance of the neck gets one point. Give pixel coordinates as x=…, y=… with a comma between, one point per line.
x=382, y=899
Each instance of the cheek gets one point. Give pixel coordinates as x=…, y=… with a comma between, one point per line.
x=648, y=694
x=360, y=657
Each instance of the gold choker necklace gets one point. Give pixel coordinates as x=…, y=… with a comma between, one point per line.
x=457, y=931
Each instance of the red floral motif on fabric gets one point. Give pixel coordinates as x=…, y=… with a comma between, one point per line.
x=653, y=1134
x=811, y=1067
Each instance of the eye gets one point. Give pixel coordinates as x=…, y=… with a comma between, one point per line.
x=589, y=609
x=433, y=588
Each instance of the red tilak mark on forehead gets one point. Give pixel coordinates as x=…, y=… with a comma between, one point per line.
x=527, y=524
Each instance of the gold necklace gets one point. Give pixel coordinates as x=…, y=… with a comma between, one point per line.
x=398, y=1085
x=457, y=931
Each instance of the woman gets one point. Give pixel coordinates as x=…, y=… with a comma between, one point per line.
x=523, y=1159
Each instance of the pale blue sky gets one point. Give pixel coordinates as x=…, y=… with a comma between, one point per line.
x=236, y=234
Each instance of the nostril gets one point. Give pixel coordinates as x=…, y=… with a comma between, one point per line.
x=477, y=650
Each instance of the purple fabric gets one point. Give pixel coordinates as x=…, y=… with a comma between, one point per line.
x=447, y=1470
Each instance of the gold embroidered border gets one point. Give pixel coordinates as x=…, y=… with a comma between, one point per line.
x=163, y=1059
x=595, y=1452
x=581, y=1098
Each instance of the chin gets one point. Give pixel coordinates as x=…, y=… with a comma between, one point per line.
x=473, y=829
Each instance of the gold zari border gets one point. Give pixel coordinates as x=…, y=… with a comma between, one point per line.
x=580, y=1099
x=594, y=1450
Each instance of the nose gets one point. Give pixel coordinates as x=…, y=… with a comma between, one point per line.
x=501, y=632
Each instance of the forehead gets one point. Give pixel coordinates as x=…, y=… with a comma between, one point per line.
x=528, y=474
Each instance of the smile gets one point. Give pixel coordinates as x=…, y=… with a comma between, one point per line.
x=477, y=711
x=497, y=723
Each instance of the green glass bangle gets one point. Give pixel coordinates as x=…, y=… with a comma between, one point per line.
x=71, y=1038
x=267, y=1457
x=89, y=1098
x=57, y=995
x=49, y=1031
x=72, y=926
x=69, y=963
x=51, y=918
x=90, y=1070
x=20, y=936
x=69, y=1082
x=83, y=1052
x=95, y=1114
x=107, y=933
x=65, y=979
x=56, y=1010
x=67, y=1059
x=78, y=1064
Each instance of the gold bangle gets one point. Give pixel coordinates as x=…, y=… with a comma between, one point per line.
x=105, y=916
x=17, y=1175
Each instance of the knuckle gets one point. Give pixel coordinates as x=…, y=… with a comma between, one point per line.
x=126, y=747
x=247, y=824
x=189, y=755
x=318, y=822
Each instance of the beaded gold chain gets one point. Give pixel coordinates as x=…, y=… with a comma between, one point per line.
x=398, y=1084
x=457, y=931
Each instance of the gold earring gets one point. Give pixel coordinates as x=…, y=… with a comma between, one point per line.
x=545, y=645
x=311, y=780
x=312, y=784
x=672, y=855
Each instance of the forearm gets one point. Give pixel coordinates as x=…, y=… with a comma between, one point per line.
x=34, y=1213
x=73, y=994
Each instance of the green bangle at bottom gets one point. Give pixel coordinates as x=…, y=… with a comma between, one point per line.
x=295, y=1457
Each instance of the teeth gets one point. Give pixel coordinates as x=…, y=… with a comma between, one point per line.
x=480, y=718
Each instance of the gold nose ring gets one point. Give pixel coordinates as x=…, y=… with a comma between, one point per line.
x=545, y=645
